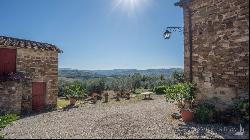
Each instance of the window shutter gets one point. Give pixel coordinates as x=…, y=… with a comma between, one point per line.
x=7, y=61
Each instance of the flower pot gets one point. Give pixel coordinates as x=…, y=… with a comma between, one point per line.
x=72, y=101
x=94, y=99
x=187, y=115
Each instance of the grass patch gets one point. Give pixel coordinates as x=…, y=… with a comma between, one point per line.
x=7, y=119
x=1, y=136
x=134, y=98
x=140, y=90
x=63, y=102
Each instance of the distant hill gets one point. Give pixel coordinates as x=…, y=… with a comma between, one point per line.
x=65, y=69
x=87, y=74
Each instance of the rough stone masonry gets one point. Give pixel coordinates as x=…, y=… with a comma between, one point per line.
x=220, y=50
x=39, y=62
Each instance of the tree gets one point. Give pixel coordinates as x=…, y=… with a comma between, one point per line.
x=162, y=78
x=62, y=84
x=122, y=84
x=95, y=85
x=178, y=77
x=136, y=81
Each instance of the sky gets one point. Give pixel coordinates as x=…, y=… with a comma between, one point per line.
x=99, y=34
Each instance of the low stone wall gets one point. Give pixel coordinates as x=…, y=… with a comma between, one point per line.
x=10, y=97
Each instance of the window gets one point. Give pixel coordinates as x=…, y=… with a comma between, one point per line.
x=7, y=61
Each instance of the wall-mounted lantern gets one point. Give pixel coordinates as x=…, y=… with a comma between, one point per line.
x=168, y=33
x=169, y=30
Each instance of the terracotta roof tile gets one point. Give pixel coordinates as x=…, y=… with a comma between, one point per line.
x=22, y=43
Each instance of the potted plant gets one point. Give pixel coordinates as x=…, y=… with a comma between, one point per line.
x=206, y=113
x=183, y=95
x=73, y=92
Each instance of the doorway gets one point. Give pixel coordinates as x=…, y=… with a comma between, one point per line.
x=38, y=96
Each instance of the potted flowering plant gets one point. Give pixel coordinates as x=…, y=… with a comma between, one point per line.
x=73, y=92
x=183, y=95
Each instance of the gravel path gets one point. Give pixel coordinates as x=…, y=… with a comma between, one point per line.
x=142, y=119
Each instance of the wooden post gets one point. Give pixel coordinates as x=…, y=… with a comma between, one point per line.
x=106, y=97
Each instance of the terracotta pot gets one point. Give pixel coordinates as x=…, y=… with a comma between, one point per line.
x=94, y=99
x=72, y=101
x=187, y=115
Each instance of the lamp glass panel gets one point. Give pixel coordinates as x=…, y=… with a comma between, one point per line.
x=167, y=35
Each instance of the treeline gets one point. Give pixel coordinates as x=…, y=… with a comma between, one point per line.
x=122, y=83
x=116, y=73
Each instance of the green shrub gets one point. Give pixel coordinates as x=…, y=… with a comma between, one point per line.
x=205, y=113
x=182, y=93
x=178, y=76
x=160, y=90
x=242, y=108
x=74, y=90
x=7, y=119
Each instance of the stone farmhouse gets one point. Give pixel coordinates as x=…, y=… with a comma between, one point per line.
x=28, y=75
x=220, y=52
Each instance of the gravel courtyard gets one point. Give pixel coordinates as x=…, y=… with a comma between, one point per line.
x=140, y=119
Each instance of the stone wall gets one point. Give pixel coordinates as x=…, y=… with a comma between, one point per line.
x=10, y=93
x=220, y=50
x=41, y=66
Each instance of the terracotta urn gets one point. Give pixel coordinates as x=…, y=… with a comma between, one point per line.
x=72, y=101
x=187, y=115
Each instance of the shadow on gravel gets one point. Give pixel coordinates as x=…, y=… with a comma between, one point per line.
x=147, y=99
x=31, y=114
x=202, y=131
x=68, y=107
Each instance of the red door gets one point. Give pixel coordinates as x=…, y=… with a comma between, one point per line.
x=38, y=96
x=7, y=61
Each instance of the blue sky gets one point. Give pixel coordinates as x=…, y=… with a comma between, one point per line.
x=99, y=34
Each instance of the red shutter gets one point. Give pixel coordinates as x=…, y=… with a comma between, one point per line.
x=7, y=61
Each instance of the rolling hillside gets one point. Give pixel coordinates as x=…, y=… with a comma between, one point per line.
x=88, y=74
